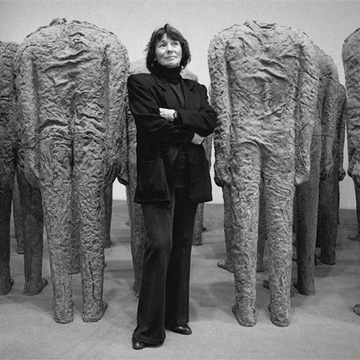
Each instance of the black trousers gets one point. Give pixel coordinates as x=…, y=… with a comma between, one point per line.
x=164, y=292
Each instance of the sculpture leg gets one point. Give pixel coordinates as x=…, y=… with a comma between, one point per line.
x=228, y=223
x=56, y=159
x=7, y=175
x=198, y=227
x=262, y=230
x=75, y=232
x=228, y=232
x=245, y=214
x=33, y=224
x=279, y=194
x=75, y=235
x=108, y=199
x=89, y=170
x=307, y=214
x=328, y=218
x=18, y=222
x=356, y=236
x=6, y=281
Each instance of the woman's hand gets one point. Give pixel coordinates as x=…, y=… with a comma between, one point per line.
x=197, y=139
x=167, y=114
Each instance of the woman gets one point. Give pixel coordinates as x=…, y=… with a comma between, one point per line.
x=172, y=118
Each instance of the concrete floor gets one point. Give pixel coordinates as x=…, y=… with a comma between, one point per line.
x=323, y=326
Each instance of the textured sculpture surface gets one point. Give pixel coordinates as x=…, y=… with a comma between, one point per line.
x=227, y=263
x=351, y=61
x=30, y=218
x=71, y=81
x=329, y=191
x=322, y=162
x=75, y=223
x=18, y=223
x=137, y=227
x=264, y=83
x=356, y=236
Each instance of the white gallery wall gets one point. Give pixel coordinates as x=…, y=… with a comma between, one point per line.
x=326, y=22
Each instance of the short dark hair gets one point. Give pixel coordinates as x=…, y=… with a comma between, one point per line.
x=173, y=34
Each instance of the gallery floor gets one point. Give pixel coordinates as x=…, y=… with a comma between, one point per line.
x=323, y=326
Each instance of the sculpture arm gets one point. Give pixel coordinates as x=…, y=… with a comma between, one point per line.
x=350, y=57
x=342, y=130
x=123, y=174
x=353, y=140
x=306, y=108
x=220, y=100
x=28, y=113
x=329, y=118
x=116, y=142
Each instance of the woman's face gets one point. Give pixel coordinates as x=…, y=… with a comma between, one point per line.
x=168, y=52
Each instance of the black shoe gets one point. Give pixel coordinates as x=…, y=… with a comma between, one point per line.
x=182, y=329
x=138, y=345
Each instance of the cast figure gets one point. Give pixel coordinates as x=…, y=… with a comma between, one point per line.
x=264, y=85
x=108, y=201
x=329, y=190
x=71, y=81
x=29, y=209
x=356, y=236
x=351, y=62
x=75, y=226
x=18, y=223
x=322, y=162
x=226, y=263
x=172, y=117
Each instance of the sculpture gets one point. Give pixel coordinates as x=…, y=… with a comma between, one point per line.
x=108, y=199
x=329, y=192
x=75, y=224
x=356, y=236
x=322, y=161
x=11, y=158
x=226, y=263
x=18, y=223
x=71, y=81
x=264, y=83
x=351, y=61
x=138, y=236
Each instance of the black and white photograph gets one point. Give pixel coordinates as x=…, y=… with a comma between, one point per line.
x=179, y=179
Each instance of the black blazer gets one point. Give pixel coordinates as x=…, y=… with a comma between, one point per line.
x=159, y=140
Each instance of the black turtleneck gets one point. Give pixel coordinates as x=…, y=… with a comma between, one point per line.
x=172, y=75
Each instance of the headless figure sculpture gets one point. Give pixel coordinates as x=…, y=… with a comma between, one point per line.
x=30, y=216
x=255, y=72
x=72, y=84
x=322, y=161
x=351, y=61
x=329, y=191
